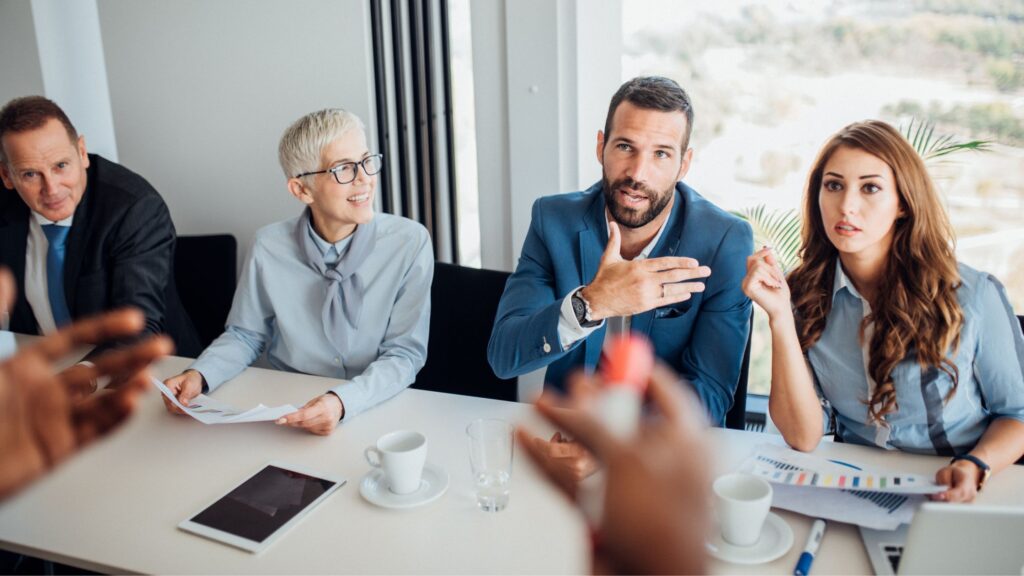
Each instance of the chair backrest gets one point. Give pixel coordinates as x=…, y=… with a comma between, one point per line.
x=736, y=417
x=204, y=270
x=463, y=304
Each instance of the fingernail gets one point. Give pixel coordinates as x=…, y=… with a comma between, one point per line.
x=279, y=421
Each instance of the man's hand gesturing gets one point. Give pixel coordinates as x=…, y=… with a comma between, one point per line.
x=627, y=287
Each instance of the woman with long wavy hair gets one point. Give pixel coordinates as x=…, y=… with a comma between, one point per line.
x=902, y=345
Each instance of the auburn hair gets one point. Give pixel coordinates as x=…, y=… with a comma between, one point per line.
x=919, y=312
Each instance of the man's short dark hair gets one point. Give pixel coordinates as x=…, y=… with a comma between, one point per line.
x=29, y=113
x=652, y=93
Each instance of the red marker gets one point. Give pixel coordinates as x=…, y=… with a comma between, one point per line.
x=626, y=369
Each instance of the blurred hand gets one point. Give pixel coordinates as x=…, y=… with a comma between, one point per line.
x=319, y=416
x=575, y=461
x=962, y=478
x=656, y=513
x=7, y=293
x=626, y=287
x=185, y=387
x=765, y=283
x=39, y=424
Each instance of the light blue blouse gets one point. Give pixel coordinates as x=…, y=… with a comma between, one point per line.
x=990, y=361
x=277, y=310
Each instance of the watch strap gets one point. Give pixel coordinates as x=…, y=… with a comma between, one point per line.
x=581, y=308
x=985, y=469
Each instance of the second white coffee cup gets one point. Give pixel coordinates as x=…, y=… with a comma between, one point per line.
x=742, y=502
x=401, y=454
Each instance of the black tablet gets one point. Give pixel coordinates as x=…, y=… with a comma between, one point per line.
x=259, y=510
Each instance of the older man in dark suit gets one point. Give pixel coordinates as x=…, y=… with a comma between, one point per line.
x=82, y=234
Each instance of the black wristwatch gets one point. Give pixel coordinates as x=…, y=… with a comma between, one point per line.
x=581, y=308
x=986, y=470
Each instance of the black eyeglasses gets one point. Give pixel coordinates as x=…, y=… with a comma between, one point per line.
x=347, y=172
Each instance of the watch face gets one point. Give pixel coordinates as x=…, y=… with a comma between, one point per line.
x=579, y=309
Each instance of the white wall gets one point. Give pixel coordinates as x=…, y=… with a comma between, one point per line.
x=19, y=54
x=73, y=69
x=202, y=91
x=543, y=75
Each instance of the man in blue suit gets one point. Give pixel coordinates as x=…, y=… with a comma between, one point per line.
x=637, y=251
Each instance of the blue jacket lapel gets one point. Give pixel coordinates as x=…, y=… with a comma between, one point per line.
x=592, y=239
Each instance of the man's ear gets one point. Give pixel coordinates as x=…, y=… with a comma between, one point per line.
x=82, y=152
x=5, y=175
x=684, y=166
x=600, y=147
x=298, y=189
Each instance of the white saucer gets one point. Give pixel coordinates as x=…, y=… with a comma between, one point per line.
x=375, y=489
x=776, y=539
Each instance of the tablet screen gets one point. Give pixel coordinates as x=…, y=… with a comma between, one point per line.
x=263, y=503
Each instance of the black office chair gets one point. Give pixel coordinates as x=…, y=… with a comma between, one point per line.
x=1021, y=320
x=463, y=303
x=736, y=417
x=204, y=270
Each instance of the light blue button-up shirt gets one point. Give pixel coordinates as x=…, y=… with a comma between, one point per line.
x=278, y=303
x=990, y=361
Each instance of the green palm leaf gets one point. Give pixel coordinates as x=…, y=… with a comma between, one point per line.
x=930, y=146
x=779, y=229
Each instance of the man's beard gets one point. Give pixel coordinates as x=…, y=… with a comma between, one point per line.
x=632, y=217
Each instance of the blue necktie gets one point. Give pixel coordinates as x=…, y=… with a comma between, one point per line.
x=57, y=236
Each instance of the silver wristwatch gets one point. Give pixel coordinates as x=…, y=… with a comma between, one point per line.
x=581, y=309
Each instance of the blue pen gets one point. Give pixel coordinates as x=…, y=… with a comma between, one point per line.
x=803, y=566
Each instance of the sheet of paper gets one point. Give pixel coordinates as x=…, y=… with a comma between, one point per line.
x=781, y=465
x=210, y=411
x=880, y=508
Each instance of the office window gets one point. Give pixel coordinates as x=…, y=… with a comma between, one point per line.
x=467, y=203
x=771, y=81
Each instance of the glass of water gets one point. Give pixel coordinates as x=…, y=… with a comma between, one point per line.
x=490, y=456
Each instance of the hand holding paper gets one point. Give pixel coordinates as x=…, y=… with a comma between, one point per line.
x=210, y=411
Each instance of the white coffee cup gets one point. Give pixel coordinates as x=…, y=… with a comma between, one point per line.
x=401, y=454
x=742, y=502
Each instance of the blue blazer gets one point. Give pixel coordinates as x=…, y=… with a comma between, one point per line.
x=702, y=338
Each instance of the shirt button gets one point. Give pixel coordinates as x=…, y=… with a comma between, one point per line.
x=547, y=348
x=336, y=360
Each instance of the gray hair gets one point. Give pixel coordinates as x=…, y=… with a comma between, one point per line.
x=303, y=141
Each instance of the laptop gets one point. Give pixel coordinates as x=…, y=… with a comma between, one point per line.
x=951, y=539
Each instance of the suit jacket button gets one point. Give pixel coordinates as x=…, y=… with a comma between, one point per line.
x=547, y=348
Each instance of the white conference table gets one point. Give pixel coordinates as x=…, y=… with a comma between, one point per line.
x=115, y=507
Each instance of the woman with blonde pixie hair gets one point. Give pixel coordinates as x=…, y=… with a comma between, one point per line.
x=337, y=291
x=903, y=347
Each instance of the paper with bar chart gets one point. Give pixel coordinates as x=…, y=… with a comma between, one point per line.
x=839, y=491
x=210, y=411
x=783, y=466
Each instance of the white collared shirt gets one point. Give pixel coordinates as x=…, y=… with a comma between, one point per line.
x=569, y=329
x=36, y=287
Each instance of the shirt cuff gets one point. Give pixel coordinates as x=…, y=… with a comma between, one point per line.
x=569, y=329
x=212, y=375
x=101, y=381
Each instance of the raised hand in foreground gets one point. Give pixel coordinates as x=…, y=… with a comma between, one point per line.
x=40, y=425
x=656, y=514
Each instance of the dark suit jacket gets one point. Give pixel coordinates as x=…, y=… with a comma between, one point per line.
x=120, y=252
x=702, y=338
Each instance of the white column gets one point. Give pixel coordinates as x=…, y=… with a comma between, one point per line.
x=74, y=70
